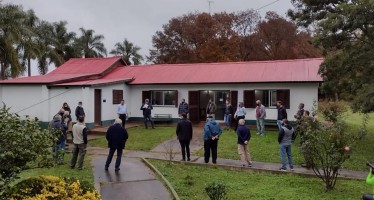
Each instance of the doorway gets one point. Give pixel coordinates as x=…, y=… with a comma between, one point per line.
x=198, y=100
x=97, y=108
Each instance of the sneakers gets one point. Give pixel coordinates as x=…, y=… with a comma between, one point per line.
x=282, y=170
x=258, y=133
x=292, y=169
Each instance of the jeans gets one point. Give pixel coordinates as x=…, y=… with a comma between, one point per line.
x=210, y=145
x=79, y=150
x=185, y=148
x=123, y=118
x=146, y=119
x=279, y=123
x=286, y=149
x=260, y=125
x=227, y=119
x=110, y=157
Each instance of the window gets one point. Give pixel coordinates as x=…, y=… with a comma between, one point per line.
x=268, y=98
x=164, y=98
x=117, y=96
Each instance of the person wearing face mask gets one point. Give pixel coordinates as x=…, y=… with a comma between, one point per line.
x=260, y=118
x=66, y=107
x=239, y=114
x=79, y=111
x=183, y=108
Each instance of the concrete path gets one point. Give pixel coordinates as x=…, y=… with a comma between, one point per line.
x=135, y=181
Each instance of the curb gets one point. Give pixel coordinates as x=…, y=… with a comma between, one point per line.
x=166, y=182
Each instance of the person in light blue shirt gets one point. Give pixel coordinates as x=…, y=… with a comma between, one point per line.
x=239, y=114
x=122, y=112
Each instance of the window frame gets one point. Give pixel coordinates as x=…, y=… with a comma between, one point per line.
x=249, y=97
x=117, y=96
x=151, y=93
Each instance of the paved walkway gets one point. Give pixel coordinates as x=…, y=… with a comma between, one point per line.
x=136, y=181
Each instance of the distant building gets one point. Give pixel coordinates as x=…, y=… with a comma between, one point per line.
x=101, y=83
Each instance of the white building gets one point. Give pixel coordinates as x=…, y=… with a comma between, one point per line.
x=101, y=83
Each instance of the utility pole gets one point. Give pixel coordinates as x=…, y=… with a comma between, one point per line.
x=210, y=2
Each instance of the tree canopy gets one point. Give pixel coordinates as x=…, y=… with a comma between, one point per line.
x=344, y=29
x=242, y=36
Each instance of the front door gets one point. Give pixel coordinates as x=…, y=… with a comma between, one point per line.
x=97, y=107
x=193, y=100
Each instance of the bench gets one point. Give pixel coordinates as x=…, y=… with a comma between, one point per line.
x=162, y=118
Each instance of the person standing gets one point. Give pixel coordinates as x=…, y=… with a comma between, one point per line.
x=300, y=112
x=183, y=108
x=370, y=181
x=79, y=111
x=244, y=135
x=260, y=118
x=282, y=114
x=285, y=140
x=122, y=112
x=116, y=136
x=60, y=127
x=210, y=108
x=239, y=114
x=184, y=133
x=146, y=108
x=228, y=114
x=212, y=132
x=66, y=107
x=80, y=143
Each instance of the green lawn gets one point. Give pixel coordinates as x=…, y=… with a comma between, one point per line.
x=86, y=174
x=246, y=185
x=140, y=138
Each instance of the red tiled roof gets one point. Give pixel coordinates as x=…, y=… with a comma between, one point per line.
x=301, y=70
x=74, y=68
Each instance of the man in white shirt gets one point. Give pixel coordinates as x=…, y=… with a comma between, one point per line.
x=122, y=112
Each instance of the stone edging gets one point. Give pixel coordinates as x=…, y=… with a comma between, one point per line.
x=167, y=183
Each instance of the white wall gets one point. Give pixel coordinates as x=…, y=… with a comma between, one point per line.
x=24, y=99
x=306, y=93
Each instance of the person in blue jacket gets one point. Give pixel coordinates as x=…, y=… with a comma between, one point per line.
x=212, y=132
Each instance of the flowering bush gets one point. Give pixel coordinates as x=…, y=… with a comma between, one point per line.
x=51, y=187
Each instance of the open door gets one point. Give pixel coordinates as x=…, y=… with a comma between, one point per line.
x=193, y=100
x=97, y=107
x=234, y=103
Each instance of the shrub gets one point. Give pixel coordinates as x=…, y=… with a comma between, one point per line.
x=51, y=187
x=23, y=144
x=216, y=191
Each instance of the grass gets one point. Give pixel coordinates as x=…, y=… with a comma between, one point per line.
x=190, y=181
x=86, y=174
x=140, y=138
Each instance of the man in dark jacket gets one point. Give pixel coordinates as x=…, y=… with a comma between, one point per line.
x=284, y=139
x=282, y=114
x=79, y=111
x=147, y=108
x=183, y=107
x=244, y=135
x=184, y=133
x=116, y=137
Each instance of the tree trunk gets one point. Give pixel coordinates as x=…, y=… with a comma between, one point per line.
x=29, y=67
x=2, y=71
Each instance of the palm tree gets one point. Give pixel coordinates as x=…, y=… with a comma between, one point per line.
x=11, y=29
x=28, y=44
x=62, y=42
x=128, y=51
x=91, y=45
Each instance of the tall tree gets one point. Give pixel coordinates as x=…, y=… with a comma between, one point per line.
x=344, y=28
x=11, y=29
x=198, y=37
x=28, y=45
x=128, y=51
x=91, y=45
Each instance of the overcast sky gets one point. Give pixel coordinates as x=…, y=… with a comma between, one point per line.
x=136, y=20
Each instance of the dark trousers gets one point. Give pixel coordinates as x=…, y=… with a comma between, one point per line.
x=210, y=145
x=367, y=197
x=185, y=147
x=237, y=121
x=146, y=119
x=110, y=156
x=123, y=118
